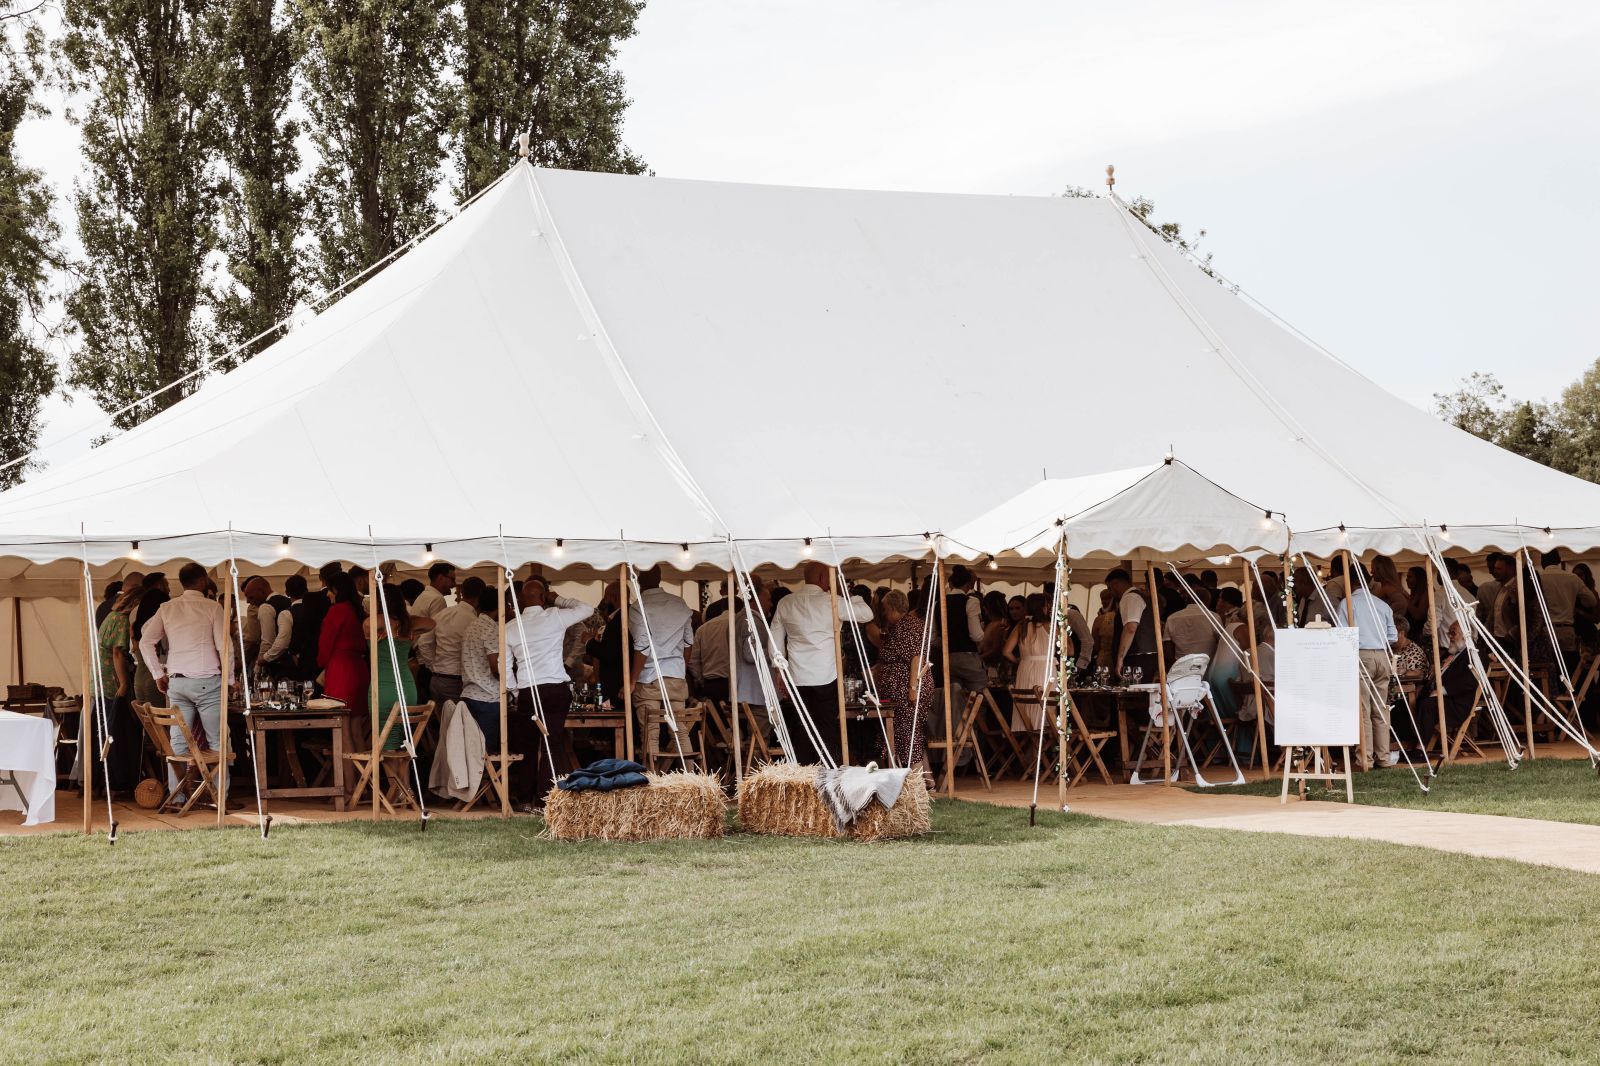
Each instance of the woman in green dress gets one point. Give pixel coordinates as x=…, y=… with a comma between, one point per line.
x=394, y=651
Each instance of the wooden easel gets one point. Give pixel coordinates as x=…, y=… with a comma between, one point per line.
x=1320, y=771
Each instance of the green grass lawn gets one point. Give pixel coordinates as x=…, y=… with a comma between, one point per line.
x=1078, y=940
x=1561, y=790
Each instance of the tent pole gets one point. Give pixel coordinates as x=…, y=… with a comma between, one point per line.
x=838, y=668
x=1255, y=670
x=500, y=654
x=1438, y=668
x=627, y=661
x=372, y=683
x=944, y=663
x=16, y=623
x=1161, y=679
x=1527, y=676
x=1350, y=620
x=1062, y=605
x=733, y=681
x=222, y=698
x=86, y=713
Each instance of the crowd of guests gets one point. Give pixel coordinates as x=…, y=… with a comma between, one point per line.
x=439, y=640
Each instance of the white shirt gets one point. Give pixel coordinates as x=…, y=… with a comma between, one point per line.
x=450, y=627
x=1131, y=607
x=430, y=601
x=278, y=646
x=194, y=630
x=804, y=633
x=1190, y=632
x=671, y=629
x=536, y=639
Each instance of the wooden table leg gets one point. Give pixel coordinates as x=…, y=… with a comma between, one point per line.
x=338, y=763
x=258, y=744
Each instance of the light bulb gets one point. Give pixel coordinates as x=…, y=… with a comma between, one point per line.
x=684, y=553
x=134, y=553
x=992, y=564
x=427, y=553
x=559, y=550
x=806, y=551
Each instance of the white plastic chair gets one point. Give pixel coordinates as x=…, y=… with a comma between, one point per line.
x=1188, y=695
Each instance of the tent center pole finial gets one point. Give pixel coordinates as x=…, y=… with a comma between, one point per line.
x=522, y=145
x=1111, y=177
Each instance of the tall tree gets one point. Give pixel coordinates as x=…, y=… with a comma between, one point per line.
x=544, y=67
x=147, y=202
x=28, y=252
x=257, y=52
x=380, y=111
x=1577, y=440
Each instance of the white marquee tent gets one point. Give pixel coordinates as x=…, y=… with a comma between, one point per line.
x=613, y=366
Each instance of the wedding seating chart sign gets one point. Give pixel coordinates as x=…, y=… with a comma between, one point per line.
x=1318, y=688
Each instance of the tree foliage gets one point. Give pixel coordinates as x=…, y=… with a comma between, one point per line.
x=147, y=203
x=380, y=110
x=257, y=53
x=544, y=67
x=1564, y=434
x=28, y=254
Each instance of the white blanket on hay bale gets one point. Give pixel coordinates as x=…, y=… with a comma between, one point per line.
x=847, y=790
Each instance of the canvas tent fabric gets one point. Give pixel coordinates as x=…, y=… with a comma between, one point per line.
x=634, y=364
x=1165, y=512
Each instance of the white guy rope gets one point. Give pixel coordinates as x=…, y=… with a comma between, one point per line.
x=1368, y=683
x=871, y=685
x=655, y=659
x=522, y=637
x=377, y=578
x=1055, y=677
x=244, y=671
x=100, y=709
x=1394, y=672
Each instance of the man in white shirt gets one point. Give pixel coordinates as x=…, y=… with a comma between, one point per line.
x=665, y=621
x=1374, y=622
x=535, y=643
x=1191, y=629
x=805, y=634
x=431, y=600
x=450, y=628
x=194, y=630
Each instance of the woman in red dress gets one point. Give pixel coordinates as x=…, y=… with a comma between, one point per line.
x=342, y=648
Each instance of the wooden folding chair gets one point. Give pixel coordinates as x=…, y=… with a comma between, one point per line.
x=965, y=737
x=495, y=779
x=755, y=739
x=1085, y=747
x=395, y=766
x=198, y=772
x=691, y=724
x=999, y=726
x=369, y=764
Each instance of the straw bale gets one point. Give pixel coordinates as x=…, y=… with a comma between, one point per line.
x=675, y=806
x=781, y=799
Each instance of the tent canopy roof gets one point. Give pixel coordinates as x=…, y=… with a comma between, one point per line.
x=607, y=359
x=1167, y=512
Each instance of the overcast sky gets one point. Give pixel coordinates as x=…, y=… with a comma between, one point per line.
x=1414, y=185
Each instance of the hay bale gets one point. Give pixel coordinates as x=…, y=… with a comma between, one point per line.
x=781, y=799
x=675, y=806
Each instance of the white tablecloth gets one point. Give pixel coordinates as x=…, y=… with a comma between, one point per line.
x=27, y=749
